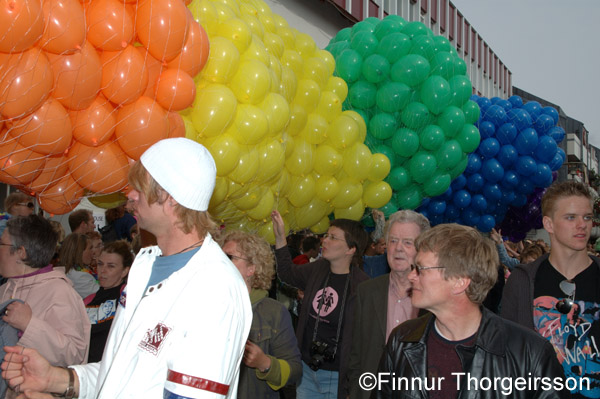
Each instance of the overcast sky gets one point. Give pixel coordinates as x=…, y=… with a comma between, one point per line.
x=552, y=48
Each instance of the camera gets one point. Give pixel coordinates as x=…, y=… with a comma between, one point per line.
x=320, y=352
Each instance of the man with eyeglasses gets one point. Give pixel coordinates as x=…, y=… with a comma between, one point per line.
x=383, y=302
x=461, y=349
x=558, y=295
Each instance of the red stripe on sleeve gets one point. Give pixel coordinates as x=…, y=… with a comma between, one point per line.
x=198, y=383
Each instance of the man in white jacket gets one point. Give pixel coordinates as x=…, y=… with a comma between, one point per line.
x=182, y=322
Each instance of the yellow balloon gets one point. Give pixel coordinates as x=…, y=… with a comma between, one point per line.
x=246, y=168
x=224, y=12
x=220, y=192
x=289, y=143
x=301, y=161
x=352, y=212
x=311, y=213
x=249, y=9
x=274, y=44
x=327, y=160
x=357, y=161
x=316, y=69
x=108, y=201
x=256, y=51
x=266, y=231
x=238, y=31
x=315, y=129
x=280, y=22
x=262, y=210
x=260, y=6
x=293, y=60
x=268, y=22
x=251, y=82
x=362, y=126
x=288, y=36
x=327, y=188
x=275, y=67
x=307, y=94
x=253, y=22
x=298, y=119
x=235, y=190
x=305, y=45
x=281, y=187
x=223, y=60
x=377, y=194
x=338, y=86
x=321, y=227
x=350, y=192
x=271, y=160
x=330, y=106
x=214, y=110
x=205, y=14
x=190, y=130
x=288, y=83
x=226, y=212
x=343, y=132
x=302, y=190
x=380, y=167
x=225, y=151
x=327, y=57
x=250, y=199
x=277, y=111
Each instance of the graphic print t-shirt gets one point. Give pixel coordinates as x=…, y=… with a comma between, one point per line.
x=332, y=297
x=576, y=335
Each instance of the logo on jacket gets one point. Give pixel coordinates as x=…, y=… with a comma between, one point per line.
x=153, y=339
x=123, y=298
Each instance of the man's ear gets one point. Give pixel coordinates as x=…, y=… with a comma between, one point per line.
x=460, y=285
x=22, y=254
x=548, y=224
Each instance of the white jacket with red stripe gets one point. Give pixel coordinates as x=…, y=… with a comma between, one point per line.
x=181, y=338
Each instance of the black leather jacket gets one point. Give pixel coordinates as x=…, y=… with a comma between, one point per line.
x=502, y=349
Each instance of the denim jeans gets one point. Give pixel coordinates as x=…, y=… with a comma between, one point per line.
x=321, y=384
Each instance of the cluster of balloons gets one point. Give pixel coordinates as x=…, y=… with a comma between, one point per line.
x=86, y=87
x=520, y=220
x=517, y=154
x=270, y=111
x=412, y=90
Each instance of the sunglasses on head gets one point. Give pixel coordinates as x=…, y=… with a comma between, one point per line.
x=27, y=204
x=565, y=305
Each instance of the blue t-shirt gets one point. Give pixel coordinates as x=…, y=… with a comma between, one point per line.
x=375, y=265
x=164, y=266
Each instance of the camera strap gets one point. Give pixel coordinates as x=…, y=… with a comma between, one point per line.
x=322, y=301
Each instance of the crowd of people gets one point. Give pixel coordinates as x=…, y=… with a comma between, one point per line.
x=401, y=310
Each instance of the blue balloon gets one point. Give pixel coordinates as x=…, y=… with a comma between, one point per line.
x=552, y=112
x=543, y=176
x=437, y=207
x=556, y=162
x=506, y=133
x=470, y=217
x=488, y=148
x=425, y=202
x=474, y=97
x=519, y=201
x=492, y=207
x=473, y=163
x=505, y=104
x=562, y=154
x=462, y=199
x=510, y=180
x=507, y=197
x=458, y=183
x=495, y=100
x=520, y=118
x=543, y=124
x=526, y=166
x=486, y=223
x=533, y=108
x=452, y=213
x=475, y=182
x=492, y=170
x=484, y=103
x=425, y=213
x=479, y=203
x=492, y=192
x=557, y=133
x=546, y=149
x=486, y=129
x=526, y=141
x=434, y=219
x=495, y=114
x=525, y=187
x=507, y=156
x=448, y=194
x=516, y=101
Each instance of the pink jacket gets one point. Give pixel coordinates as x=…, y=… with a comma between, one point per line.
x=59, y=328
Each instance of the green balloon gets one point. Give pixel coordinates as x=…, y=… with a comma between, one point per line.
x=376, y=68
x=394, y=46
x=366, y=114
x=409, y=197
x=393, y=96
x=388, y=209
x=416, y=28
x=365, y=43
x=449, y=155
x=362, y=94
x=469, y=138
x=460, y=168
x=396, y=18
x=372, y=20
x=362, y=26
x=415, y=116
x=424, y=46
x=422, y=166
x=437, y=184
x=432, y=137
x=460, y=66
x=348, y=65
x=385, y=150
x=405, y=142
x=386, y=27
x=442, y=44
x=382, y=126
x=460, y=87
x=472, y=111
x=343, y=35
x=443, y=65
x=436, y=94
x=412, y=69
x=337, y=48
x=398, y=178
x=451, y=120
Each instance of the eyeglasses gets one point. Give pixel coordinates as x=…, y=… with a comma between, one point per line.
x=332, y=237
x=232, y=257
x=419, y=269
x=6, y=245
x=565, y=305
x=27, y=204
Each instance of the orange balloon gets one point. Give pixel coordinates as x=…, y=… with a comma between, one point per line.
x=124, y=75
x=21, y=24
x=47, y=130
x=54, y=169
x=77, y=77
x=64, y=22
x=175, y=90
x=62, y=196
x=110, y=26
x=101, y=169
x=94, y=125
x=162, y=27
x=176, y=125
x=25, y=83
x=19, y=165
x=139, y=125
x=154, y=68
x=194, y=53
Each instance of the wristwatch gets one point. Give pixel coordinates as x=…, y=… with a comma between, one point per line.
x=70, y=391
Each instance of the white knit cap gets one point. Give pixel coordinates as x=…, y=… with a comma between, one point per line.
x=185, y=169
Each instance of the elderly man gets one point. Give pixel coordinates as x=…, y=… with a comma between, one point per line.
x=461, y=349
x=383, y=302
x=182, y=322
